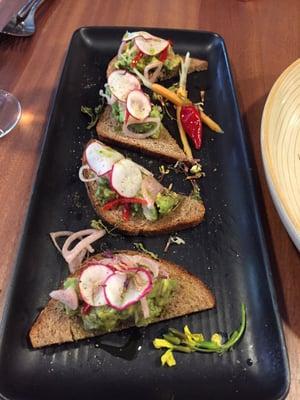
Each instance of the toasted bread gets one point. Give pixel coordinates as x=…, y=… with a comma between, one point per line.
x=54, y=326
x=195, y=66
x=189, y=213
x=164, y=147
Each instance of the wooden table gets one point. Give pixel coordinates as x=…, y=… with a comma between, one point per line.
x=262, y=38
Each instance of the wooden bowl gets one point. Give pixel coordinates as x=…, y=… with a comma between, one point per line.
x=280, y=146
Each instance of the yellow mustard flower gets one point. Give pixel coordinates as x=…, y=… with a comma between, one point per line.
x=162, y=343
x=217, y=338
x=168, y=358
x=193, y=338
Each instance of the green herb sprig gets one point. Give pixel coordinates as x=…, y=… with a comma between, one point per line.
x=93, y=113
x=188, y=342
x=141, y=247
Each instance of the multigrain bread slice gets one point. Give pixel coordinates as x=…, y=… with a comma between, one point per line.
x=164, y=147
x=196, y=65
x=189, y=213
x=54, y=326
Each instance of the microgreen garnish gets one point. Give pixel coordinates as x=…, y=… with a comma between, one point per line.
x=163, y=171
x=141, y=247
x=173, y=240
x=188, y=342
x=93, y=113
x=98, y=224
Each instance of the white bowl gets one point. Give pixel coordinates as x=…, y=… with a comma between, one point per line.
x=280, y=146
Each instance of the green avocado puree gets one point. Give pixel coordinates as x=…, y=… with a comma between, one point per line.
x=106, y=319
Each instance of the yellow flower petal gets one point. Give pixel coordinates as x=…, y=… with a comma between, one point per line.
x=217, y=338
x=162, y=343
x=168, y=358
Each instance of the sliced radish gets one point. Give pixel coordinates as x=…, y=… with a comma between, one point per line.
x=121, y=83
x=126, y=178
x=151, y=46
x=132, y=35
x=66, y=296
x=138, y=104
x=123, y=289
x=101, y=158
x=91, y=283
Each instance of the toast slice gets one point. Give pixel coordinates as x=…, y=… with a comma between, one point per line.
x=54, y=326
x=164, y=147
x=196, y=65
x=189, y=213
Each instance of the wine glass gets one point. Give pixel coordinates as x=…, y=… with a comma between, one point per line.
x=10, y=112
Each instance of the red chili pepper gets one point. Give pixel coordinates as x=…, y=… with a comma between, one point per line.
x=126, y=212
x=136, y=59
x=123, y=200
x=86, y=308
x=191, y=123
x=164, y=54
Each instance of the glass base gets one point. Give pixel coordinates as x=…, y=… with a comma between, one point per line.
x=10, y=112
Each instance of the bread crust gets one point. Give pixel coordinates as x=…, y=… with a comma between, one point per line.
x=53, y=326
x=164, y=147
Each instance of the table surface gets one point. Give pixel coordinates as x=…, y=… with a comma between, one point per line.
x=262, y=38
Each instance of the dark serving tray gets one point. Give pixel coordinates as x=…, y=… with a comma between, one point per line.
x=228, y=251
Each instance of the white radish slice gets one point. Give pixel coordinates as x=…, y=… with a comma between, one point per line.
x=132, y=35
x=66, y=296
x=123, y=289
x=121, y=83
x=151, y=46
x=91, y=283
x=126, y=178
x=138, y=104
x=150, y=189
x=101, y=158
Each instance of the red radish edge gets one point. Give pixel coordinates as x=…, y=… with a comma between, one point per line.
x=143, y=294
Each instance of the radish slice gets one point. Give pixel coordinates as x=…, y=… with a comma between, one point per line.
x=91, y=284
x=151, y=46
x=138, y=104
x=150, y=189
x=126, y=178
x=132, y=35
x=101, y=158
x=131, y=121
x=121, y=83
x=66, y=296
x=121, y=289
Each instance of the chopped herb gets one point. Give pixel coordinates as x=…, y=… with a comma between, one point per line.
x=163, y=171
x=188, y=342
x=98, y=224
x=93, y=113
x=175, y=240
x=141, y=247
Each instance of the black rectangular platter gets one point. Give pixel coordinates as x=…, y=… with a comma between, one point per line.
x=228, y=251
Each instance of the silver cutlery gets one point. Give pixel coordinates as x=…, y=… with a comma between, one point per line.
x=23, y=23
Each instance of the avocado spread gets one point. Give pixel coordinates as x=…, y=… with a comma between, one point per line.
x=105, y=318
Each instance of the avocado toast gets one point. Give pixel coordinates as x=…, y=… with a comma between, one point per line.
x=127, y=195
x=90, y=304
